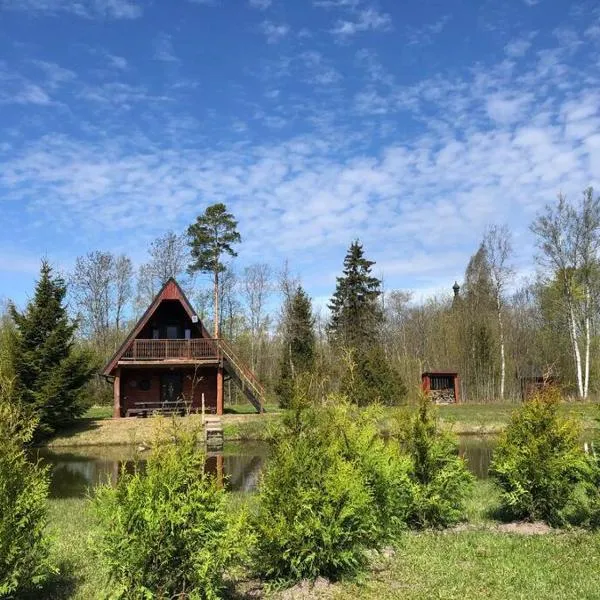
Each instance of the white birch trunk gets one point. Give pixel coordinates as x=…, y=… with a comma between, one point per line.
x=586, y=379
x=576, y=352
x=502, y=353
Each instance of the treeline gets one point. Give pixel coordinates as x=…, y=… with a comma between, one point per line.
x=373, y=344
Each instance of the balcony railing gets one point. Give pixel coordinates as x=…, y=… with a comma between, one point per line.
x=200, y=348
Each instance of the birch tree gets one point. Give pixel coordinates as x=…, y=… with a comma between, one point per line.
x=498, y=246
x=569, y=237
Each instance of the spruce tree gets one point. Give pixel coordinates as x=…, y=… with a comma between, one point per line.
x=356, y=314
x=298, y=355
x=50, y=371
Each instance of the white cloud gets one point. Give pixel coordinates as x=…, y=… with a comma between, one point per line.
x=368, y=19
x=505, y=109
x=519, y=46
x=109, y=9
x=163, y=48
x=260, y=4
x=425, y=35
x=274, y=32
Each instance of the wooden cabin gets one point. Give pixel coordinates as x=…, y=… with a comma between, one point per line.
x=169, y=363
x=441, y=386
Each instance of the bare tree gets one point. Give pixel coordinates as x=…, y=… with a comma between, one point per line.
x=256, y=288
x=569, y=238
x=498, y=246
x=101, y=288
x=169, y=256
x=123, y=275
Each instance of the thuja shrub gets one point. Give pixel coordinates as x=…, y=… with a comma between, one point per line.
x=331, y=490
x=24, y=563
x=441, y=481
x=167, y=531
x=539, y=460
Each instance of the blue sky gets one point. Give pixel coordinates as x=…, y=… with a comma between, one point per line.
x=411, y=125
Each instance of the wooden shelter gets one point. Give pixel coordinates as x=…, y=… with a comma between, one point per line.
x=441, y=386
x=170, y=363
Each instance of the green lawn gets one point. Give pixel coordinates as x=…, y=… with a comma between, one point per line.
x=473, y=561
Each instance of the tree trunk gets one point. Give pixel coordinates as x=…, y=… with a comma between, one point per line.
x=502, y=353
x=576, y=353
x=216, y=316
x=586, y=380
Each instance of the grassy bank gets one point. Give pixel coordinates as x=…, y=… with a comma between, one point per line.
x=478, y=560
x=97, y=428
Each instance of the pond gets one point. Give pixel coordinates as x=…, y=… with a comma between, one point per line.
x=75, y=470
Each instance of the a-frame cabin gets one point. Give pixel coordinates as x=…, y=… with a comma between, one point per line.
x=169, y=362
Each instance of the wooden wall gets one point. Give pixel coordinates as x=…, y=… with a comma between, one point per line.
x=206, y=382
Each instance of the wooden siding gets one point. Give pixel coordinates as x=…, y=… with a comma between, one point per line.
x=133, y=392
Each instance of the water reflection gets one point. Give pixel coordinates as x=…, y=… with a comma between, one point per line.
x=75, y=471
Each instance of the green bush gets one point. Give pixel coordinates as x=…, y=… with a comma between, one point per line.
x=441, y=482
x=330, y=491
x=370, y=378
x=539, y=461
x=24, y=560
x=168, y=531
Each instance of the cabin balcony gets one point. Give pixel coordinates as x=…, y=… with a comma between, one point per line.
x=204, y=350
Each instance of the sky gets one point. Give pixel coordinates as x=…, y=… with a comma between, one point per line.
x=410, y=125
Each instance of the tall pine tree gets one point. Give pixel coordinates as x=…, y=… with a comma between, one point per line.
x=356, y=314
x=298, y=356
x=50, y=371
x=355, y=326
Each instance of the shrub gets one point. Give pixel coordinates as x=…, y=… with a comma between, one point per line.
x=370, y=378
x=539, y=460
x=23, y=493
x=331, y=490
x=440, y=478
x=168, y=532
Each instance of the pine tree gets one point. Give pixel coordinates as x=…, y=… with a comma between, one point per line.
x=355, y=311
x=210, y=237
x=298, y=355
x=50, y=371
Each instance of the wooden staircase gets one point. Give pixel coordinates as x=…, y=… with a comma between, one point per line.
x=243, y=376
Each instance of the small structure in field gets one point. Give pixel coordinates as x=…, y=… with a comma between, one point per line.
x=169, y=363
x=441, y=386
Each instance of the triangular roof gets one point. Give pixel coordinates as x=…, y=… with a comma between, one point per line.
x=171, y=290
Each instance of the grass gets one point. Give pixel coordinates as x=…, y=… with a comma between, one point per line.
x=473, y=562
x=479, y=564
x=96, y=428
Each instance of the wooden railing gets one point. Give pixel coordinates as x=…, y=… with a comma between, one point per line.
x=172, y=349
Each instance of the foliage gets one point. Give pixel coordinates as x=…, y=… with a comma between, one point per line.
x=51, y=372
x=23, y=493
x=298, y=356
x=355, y=311
x=539, y=460
x=330, y=491
x=440, y=478
x=212, y=235
x=369, y=378
x=167, y=532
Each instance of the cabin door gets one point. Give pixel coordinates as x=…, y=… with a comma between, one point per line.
x=170, y=387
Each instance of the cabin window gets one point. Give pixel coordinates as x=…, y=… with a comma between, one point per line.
x=155, y=334
x=172, y=332
x=145, y=385
x=188, y=334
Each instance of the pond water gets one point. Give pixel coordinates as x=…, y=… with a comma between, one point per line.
x=75, y=470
